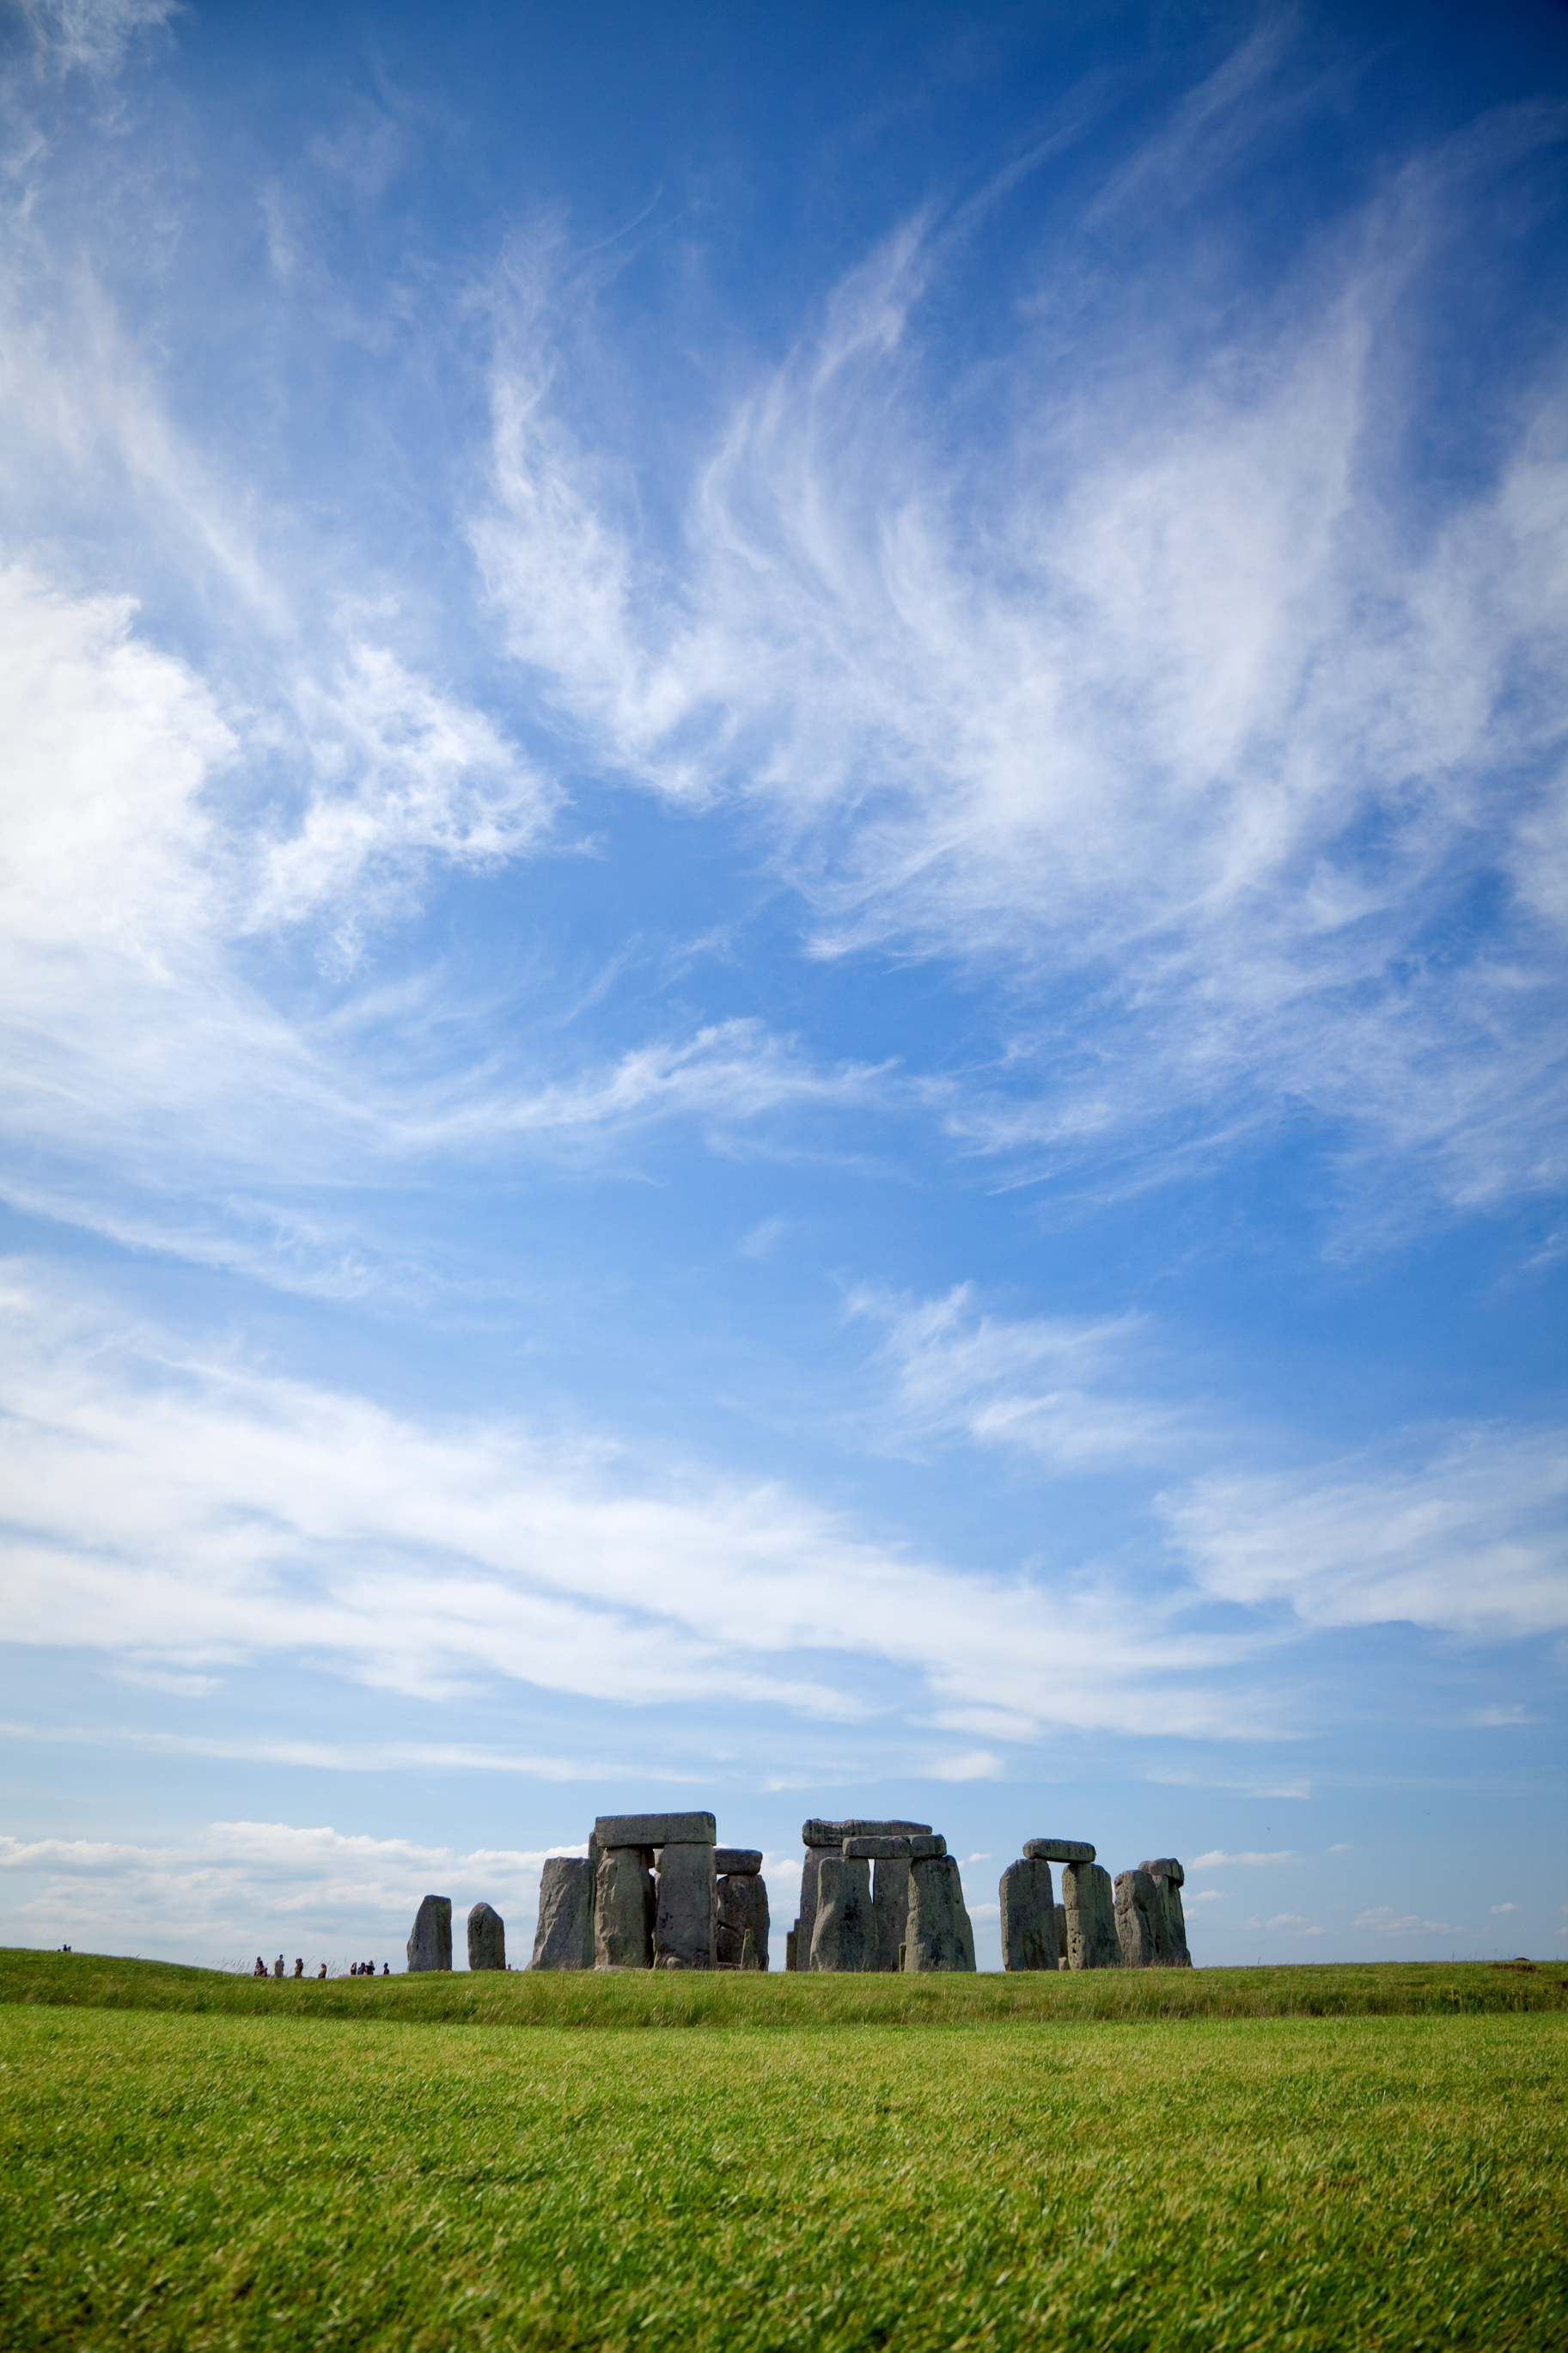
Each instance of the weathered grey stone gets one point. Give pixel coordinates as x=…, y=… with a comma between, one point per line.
x=749, y=1953
x=1057, y=1850
x=1061, y=1935
x=1029, y=1916
x=430, y=1942
x=564, y=1936
x=1140, y=1920
x=806, y=1923
x=842, y=1939
x=876, y=1849
x=741, y=1910
x=890, y=1910
x=623, y=1910
x=486, y=1938
x=654, y=1829
x=1168, y=1878
x=938, y=1934
x=684, y=1924
x=821, y=1833
x=1090, y=1907
x=729, y=1859
x=792, y=1945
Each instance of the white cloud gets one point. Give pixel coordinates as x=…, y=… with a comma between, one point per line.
x=1217, y=1857
x=1472, y=1540
x=181, y=1509
x=1385, y=1922
x=1498, y=1908
x=1043, y=1386
x=90, y=34
x=1152, y=691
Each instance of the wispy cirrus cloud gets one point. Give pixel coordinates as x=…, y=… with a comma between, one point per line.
x=1160, y=696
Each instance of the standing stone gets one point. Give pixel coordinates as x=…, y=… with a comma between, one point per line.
x=1029, y=1916
x=563, y=1938
x=430, y=1944
x=1170, y=1878
x=1061, y=1935
x=1090, y=1907
x=623, y=1907
x=684, y=1924
x=806, y=1925
x=1139, y=1921
x=791, y=1945
x=938, y=1934
x=742, y=1911
x=486, y=1938
x=842, y=1939
x=890, y=1910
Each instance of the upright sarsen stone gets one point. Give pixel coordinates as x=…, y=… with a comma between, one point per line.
x=741, y=1910
x=1169, y=1879
x=430, y=1940
x=842, y=1939
x=563, y=1938
x=1139, y=1921
x=1061, y=1935
x=623, y=1909
x=1029, y=1916
x=890, y=1910
x=938, y=1934
x=1090, y=1908
x=486, y=1938
x=686, y=1903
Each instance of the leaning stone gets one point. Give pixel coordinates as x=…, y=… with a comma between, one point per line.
x=430, y=1943
x=563, y=1938
x=938, y=1934
x=890, y=1910
x=684, y=1921
x=729, y=1859
x=1029, y=1916
x=654, y=1829
x=1089, y=1904
x=1138, y=1920
x=842, y=1939
x=486, y=1938
x=1057, y=1850
x=740, y=1912
x=1168, y=1878
x=622, y=1906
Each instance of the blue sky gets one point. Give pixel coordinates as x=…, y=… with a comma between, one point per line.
x=782, y=954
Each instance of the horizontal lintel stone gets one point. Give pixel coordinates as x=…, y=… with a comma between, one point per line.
x=654, y=1829
x=820, y=1833
x=729, y=1860
x=1057, y=1850
x=916, y=1848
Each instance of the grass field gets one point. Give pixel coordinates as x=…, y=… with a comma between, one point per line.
x=196, y=2161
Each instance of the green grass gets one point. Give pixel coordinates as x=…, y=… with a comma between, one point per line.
x=271, y=2170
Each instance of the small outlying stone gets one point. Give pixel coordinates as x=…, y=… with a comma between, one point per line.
x=1029, y=1916
x=938, y=1934
x=486, y=1938
x=624, y=1909
x=654, y=1829
x=1090, y=1907
x=729, y=1860
x=684, y=1919
x=742, y=1913
x=430, y=1941
x=842, y=1938
x=1057, y=1850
